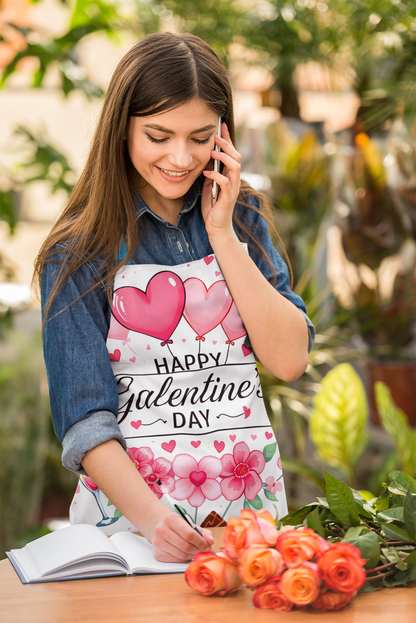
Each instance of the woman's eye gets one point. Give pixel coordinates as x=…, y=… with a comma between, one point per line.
x=156, y=140
x=202, y=142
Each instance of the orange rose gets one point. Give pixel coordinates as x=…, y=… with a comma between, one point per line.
x=341, y=566
x=333, y=601
x=269, y=596
x=297, y=546
x=258, y=564
x=250, y=529
x=213, y=574
x=301, y=584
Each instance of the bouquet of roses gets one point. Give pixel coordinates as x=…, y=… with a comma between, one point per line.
x=290, y=568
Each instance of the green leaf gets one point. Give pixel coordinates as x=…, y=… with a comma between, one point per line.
x=401, y=577
x=314, y=523
x=396, y=424
x=296, y=517
x=393, y=532
x=354, y=532
x=256, y=503
x=409, y=512
x=300, y=468
x=371, y=587
x=269, y=451
x=246, y=504
x=410, y=560
x=339, y=419
x=117, y=513
x=341, y=501
x=382, y=502
x=270, y=496
x=369, y=546
x=391, y=514
x=109, y=503
x=403, y=481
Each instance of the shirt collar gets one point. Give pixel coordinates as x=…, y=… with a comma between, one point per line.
x=189, y=202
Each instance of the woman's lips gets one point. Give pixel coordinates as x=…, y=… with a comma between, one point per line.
x=174, y=178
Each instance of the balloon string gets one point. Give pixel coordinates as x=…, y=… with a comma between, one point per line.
x=133, y=351
x=200, y=337
x=166, y=342
x=230, y=342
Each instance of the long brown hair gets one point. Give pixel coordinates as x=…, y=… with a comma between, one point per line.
x=161, y=72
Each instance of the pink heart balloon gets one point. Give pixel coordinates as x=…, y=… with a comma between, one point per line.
x=204, y=309
x=233, y=325
x=117, y=331
x=155, y=312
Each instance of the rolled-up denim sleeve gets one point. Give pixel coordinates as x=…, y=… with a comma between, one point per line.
x=82, y=388
x=280, y=279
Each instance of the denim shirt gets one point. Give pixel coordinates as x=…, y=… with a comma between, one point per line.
x=82, y=387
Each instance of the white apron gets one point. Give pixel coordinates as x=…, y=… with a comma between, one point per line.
x=190, y=402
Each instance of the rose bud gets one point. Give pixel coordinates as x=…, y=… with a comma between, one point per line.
x=341, y=566
x=213, y=574
x=301, y=584
x=269, y=596
x=297, y=546
x=333, y=601
x=258, y=564
x=250, y=529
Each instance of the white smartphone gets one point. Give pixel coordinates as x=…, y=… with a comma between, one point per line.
x=214, y=190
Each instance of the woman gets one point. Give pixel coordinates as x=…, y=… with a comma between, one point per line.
x=153, y=384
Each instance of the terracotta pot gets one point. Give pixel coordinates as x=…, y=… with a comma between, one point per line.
x=400, y=377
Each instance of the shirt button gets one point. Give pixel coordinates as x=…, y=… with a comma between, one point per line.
x=179, y=246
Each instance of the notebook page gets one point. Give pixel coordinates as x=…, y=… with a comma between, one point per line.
x=138, y=554
x=68, y=545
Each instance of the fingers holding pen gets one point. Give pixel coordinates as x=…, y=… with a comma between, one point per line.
x=175, y=541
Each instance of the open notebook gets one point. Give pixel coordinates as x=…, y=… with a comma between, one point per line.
x=83, y=551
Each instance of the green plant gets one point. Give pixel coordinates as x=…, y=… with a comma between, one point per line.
x=395, y=422
x=383, y=528
x=338, y=424
x=23, y=437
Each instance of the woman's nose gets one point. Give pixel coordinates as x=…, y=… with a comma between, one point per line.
x=181, y=157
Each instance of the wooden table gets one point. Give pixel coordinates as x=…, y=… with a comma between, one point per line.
x=167, y=598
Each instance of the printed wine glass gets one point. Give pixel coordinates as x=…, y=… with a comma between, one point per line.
x=90, y=485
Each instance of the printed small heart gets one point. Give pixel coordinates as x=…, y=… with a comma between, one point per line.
x=247, y=412
x=233, y=437
x=246, y=350
x=123, y=277
x=184, y=339
x=208, y=259
x=188, y=265
x=254, y=437
x=148, y=347
x=217, y=273
x=279, y=463
x=132, y=359
x=115, y=356
x=219, y=446
x=214, y=342
x=195, y=444
x=169, y=447
x=268, y=435
x=137, y=424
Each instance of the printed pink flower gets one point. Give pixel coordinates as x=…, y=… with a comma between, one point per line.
x=273, y=485
x=153, y=471
x=196, y=481
x=240, y=473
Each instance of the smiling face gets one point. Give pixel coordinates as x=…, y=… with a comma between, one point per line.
x=170, y=150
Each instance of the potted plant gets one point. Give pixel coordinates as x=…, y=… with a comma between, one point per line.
x=372, y=256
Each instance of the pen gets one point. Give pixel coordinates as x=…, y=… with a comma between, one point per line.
x=178, y=509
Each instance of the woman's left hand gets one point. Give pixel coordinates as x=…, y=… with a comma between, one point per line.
x=218, y=219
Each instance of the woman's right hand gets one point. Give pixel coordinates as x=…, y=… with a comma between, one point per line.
x=175, y=541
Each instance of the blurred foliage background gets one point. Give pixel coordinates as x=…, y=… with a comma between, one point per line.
x=344, y=196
